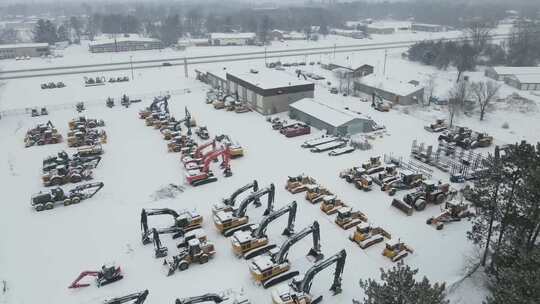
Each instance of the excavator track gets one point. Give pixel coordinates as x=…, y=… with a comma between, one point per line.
x=204, y=181
x=280, y=278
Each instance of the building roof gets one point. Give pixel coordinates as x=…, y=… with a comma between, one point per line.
x=232, y=35
x=23, y=45
x=268, y=79
x=503, y=70
x=391, y=85
x=390, y=24
x=328, y=114
x=122, y=39
x=348, y=63
x=221, y=73
x=527, y=78
x=427, y=25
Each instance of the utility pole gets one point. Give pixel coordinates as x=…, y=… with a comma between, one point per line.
x=334, y=51
x=185, y=67
x=131, y=64
x=265, y=64
x=385, y=56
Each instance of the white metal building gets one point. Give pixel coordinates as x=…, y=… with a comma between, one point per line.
x=394, y=90
x=23, y=49
x=124, y=44
x=325, y=117
x=501, y=72
x=525, y=82
x=232, y=38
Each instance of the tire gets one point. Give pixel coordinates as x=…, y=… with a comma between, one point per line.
x=75, y=178
x=76, y=200
x=39, y=207
x=420, y=204
x=392, y=192
x=348, y=179
x=429, y=221
x=67, y=202
x=56, y=181
x=440, y=226
x=49, y=205
x=183, y=266
x=439, y=199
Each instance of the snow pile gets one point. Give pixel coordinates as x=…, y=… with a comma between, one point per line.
x=167, y=192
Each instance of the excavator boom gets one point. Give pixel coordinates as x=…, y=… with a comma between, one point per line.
x=139, y=298
x=270, y=191
x=232, y=199
x=305, y=284
x=314, y=252
x=213, y=297
x=260, y=232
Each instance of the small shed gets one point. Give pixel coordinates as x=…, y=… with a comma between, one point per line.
x=340, y=122
x=528, y=82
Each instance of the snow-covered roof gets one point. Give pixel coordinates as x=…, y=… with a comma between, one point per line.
x=232, y=35
x=503, y=70
x=23, y=45
x=122, y=39
x=391, y=85
x=263, y=262
x=390, y=24
x=348, y=63
x=242, y=236
x=269, y=79
x=328, y=114
x=528, y=78
x=221, y=73
x=427, y=25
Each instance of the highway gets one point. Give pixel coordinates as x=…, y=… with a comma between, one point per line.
x=194, y=60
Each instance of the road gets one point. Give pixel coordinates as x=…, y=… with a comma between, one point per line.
x=180, y=61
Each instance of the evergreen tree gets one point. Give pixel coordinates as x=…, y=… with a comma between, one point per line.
x=45, y=31
x=76, y=25
x=264, y=29
x=399, y=286
x=63, y=33
x=170, y=31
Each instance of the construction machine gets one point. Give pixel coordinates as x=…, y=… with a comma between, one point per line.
x=359, y=177
x=330, y=204
x=227, y=204
x=62, y=159
x=388, y=175
x=137, y=298
x=299, y=290
x=312, y=143
x=273, y=267
x=92, y=150
x=109, y=102
x=197, y=177
x=180, y=142
x=84, y=122
x=428, y=193
x=227, y=222
x=195, y=252
x=347, y=217
x=62, y=175
x=202, y=132
x=439, y=126
x=378, y=103
x=107, y=275
x=161, y=251
x=396, y=250
x=42, y=134
x=232, y=298
x=315, y=193
x=407, y=180
x=297, y=184
x=235, y=148
x=185, y=220
x=243, y=241
x=374, y=165
x=296, y=130
x=366, y=235
x=481, y=140
x=452, y=212
x=46, y=200
x=85, y=138
x=200, y=153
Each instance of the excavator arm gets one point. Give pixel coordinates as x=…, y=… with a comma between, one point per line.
x=270, y=191
x=159, y=250
x=289, y=230
x=305, y=284
x=139, y=298
x=79, y=189
x=145, y=234
x=314, y=252
x=232, y=199
x=213, y=297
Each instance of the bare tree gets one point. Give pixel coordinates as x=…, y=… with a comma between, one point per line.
x=456, y=100
x=479, y=33
x=484, y=92
x=429, y=88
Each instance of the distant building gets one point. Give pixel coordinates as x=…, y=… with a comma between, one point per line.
x=420, y=27
x=23, y=49
x=388, y=27
x=124, y=44
x=335, y=121
x=357, y=69
x=268, y=91
x=525, y=82
x=398, y=92
x=356, y=34
x=232, y=38
x=283, y=35
x=380, y=30
x=501, y=72
x=193, y=42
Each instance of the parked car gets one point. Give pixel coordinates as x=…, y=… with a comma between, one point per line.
x=334, y=90
x=166, y=64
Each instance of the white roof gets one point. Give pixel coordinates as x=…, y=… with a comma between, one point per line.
x=269, y=79
x=528, y=78
x=401, y=88
x=502, y=70
x=23, y=45
x=427, y=25
x=232, y=35
x=348, y=63
x=221, y=73
x=122, y=39
x=390, y=24
x=330, y=115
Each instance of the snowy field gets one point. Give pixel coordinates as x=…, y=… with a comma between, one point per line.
x=41, y=253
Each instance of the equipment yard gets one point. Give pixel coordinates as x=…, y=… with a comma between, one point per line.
x=137, y=171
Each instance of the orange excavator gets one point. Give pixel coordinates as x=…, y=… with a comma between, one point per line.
x=198, y=156
x=197, y=177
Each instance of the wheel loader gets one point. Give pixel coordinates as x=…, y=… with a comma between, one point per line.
x=315, y=193
x=47, y=200
x=348, y=218
x=396, y=250
x=195, y=252
x=297, y=184
x=330, y=204
x=407, y=180
x=439, y=126
x=430, y=193
x=366, y=235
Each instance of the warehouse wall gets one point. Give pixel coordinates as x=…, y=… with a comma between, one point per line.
x=280, y=103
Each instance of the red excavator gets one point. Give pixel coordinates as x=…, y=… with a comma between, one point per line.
x=202, y=176
x=197, y=156
x=104, y=276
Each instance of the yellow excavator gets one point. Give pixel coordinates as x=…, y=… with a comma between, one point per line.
x=273, y=266
x=244, y=241
x=227, y=222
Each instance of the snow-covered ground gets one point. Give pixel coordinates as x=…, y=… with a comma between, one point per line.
x=41, y=253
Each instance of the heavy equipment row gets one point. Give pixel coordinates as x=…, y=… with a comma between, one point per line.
x=42, y=134
x=230, y=102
